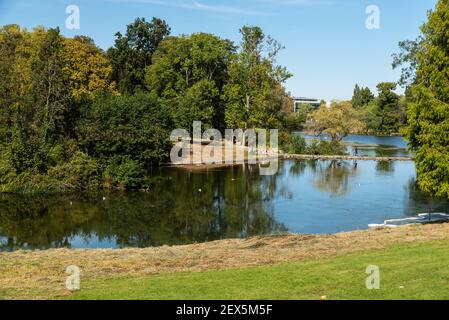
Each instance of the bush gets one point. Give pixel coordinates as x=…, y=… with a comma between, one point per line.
x=124, y=173
x=61, y=152
x=137, y=127
x=328, y=148
x=31, y=181
x=7, y=170
x=293, y=144
x=81, y=172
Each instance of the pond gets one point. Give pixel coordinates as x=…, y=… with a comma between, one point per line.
x=187, y=207
x=372, y=146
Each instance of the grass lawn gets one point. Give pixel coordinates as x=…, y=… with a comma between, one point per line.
x=408, y=271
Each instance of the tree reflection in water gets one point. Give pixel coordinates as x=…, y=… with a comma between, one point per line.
x=181, y=208
x=418, y=202
x=334, y=177
x=385, y=167
x=187, y=207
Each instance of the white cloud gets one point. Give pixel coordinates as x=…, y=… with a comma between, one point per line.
x=197, y=5
x=202, y=5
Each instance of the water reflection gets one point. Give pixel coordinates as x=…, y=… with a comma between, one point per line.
x=418, y=202
x=385, y=167
x=372, y=146
x=298, y=167
x=334, y=177
x=185, y=207
x=182, y=208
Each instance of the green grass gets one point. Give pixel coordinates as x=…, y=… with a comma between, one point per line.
x=413, y=271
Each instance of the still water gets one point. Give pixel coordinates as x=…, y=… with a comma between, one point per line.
x=186, y=207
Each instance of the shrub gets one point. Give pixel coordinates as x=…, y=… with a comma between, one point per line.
x=81, y=172
x=328, y=148
x=7, y=170
x=293, y=144
x=137, y=127
x=31, y=181
x=124, y=173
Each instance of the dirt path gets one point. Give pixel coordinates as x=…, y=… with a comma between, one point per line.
x=41, y=274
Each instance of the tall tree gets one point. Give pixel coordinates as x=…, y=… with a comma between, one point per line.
x=190, y=72
x=11, y=42
x=41, y=122
x=88, y=68
x=132, y=52
x=429, y=113
x=50, y=87
x=254, y=94
x=388, y=108
x=361, y=97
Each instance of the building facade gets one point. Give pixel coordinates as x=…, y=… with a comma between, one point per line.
x=298, y=102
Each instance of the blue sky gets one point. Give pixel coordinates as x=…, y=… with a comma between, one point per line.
x=327, y=46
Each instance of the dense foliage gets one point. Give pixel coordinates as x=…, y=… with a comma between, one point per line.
x=381, y=115
x=133, y=52
x=428, y=114
x=296, y=144
x=190, y=73
x=361, y=97
x=75, y=117
x=254, y=95
x=336, y=121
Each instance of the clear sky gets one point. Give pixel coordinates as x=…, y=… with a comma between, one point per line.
x=327, y=45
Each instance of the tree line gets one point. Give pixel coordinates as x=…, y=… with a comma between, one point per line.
x=73, y=116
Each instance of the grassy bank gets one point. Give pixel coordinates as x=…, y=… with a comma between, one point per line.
x=414, y=271
x=413, y=262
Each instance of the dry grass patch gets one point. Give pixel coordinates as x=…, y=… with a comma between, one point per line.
x=41, y=274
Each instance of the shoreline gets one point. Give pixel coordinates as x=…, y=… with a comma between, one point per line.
x=200, y=166
x=190, y=164
x=205, y=166
x=42, y=273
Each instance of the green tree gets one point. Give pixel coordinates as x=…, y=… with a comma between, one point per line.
x=295, y=121
x=50, y=89
x=371, y=117
x=43, y=123
x=197, y=104
x=190, y=72
x=361, y=97
x=18, y=48
x=407, y=59
x=10, y=40
x=254, y=94
x=428, y=114
x=337, y=122
x=88, y=68
x=132, y=52
x=42, y=74
x=388, y=110
x=137, y=127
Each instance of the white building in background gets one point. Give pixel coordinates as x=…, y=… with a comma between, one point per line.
x=302, y=101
